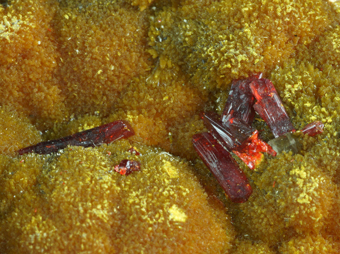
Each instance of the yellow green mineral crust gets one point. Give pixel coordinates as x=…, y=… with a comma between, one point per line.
x=68, y=66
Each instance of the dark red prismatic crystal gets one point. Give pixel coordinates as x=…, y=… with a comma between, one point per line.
x=313, y=128
x=237, y=136
x=93, y=137
x=240, y=102
x=232, y=133
x=222, y=165
x=270, y=107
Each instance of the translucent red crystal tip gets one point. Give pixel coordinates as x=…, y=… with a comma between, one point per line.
x=106, y=133
x=270, y=107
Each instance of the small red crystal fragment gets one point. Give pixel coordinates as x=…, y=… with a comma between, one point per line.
x=222, y=165
x=251, y=152
x=270, y=107
x=93, y=137
x=126, y=167
x=240, y=102
x=134, y=151
x=232, y=133
x=313, y=128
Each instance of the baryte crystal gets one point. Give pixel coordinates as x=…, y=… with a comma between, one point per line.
x=240, y=102
x=222, y=165
x=286, y=142
x=313, y=128
x=251, y=152
x=270, y=107
x=232, y=133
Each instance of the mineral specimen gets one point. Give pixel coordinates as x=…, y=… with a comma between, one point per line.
x=270, y=107
x=93, y=137
x=251, y=152
x=313, y=128
x=126, y=167
x=220, y=162
x=240, y=102
x=285, y=142
x=232, y=133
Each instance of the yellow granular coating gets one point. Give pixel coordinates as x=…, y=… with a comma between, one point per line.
x=29, y=61
x=258, y=219
x=102, y=46
x=326, y=49
x=73, y=126
x=182, y=137
x=219, y=41
x=308, y=93
x=73, y=201
x=313, y=244
x=291, y=194
x=76, y=202
x=142, y=4
x=156, y=103
x=249, y=247
x=16, y=131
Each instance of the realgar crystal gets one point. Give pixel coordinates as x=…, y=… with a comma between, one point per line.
x=225, y=169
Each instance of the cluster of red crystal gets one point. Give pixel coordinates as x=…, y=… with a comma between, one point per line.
x=220, y=162
x=270, y=107
x=231, y=133
x=240, y=101
x=126, y=167
x=251, y=152
x=93, y=137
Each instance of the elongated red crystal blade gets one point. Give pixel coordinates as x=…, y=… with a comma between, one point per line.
x=270, y=107
x=240, y=102
x=93, y=137
x=231, y=134
x=313, y=128
x=220, y=162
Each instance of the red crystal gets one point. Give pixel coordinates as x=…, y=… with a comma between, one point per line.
x=222, y=165
x=313, y=128
x=126, y=167
x=134, y=151
x=240, y=102
x=93, y=137
x=232, y=133
x=251, y=152
x=270, y=107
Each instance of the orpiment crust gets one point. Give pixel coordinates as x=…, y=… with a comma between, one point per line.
x=68, y=66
